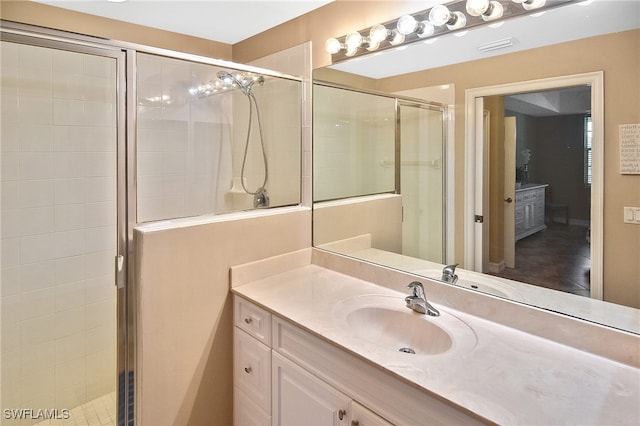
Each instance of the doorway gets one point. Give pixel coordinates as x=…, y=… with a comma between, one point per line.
x=477, y=209
x=543, y=203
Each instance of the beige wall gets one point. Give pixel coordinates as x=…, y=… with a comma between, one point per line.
x=185, y=312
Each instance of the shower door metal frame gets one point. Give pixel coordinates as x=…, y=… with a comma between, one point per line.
x=125, y=210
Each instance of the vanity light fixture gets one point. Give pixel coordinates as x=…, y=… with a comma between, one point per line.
x=427, y=25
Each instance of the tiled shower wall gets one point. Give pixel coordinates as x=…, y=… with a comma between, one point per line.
x=58, y=187
x=190, y=148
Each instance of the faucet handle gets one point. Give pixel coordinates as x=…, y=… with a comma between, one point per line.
x=417, y=289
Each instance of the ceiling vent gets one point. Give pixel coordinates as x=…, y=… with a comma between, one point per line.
x=498, y=44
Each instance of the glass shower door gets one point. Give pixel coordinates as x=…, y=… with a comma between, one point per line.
x=59, y=235
x=421, y=129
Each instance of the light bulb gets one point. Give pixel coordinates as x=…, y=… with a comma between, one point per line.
x=495, y=11
x=353, y=41
x=457, y=21
x=477, y=7
x=332, y=45
x=397, y=38
x=439, y=15
x=407, y=24
x=378, y=33
x=425, y=29
x=533, y=4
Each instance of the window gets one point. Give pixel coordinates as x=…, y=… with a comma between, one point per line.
x=588, y=157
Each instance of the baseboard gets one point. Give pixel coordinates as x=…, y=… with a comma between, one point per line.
x=496, y=267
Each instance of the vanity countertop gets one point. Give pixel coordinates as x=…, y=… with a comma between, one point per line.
x=506, y=376
x=529, y=186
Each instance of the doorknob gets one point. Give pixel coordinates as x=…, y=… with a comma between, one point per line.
x=509, y=200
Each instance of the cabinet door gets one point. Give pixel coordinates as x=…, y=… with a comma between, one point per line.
x=301, y=399
x=361, y=416
x=246, y=412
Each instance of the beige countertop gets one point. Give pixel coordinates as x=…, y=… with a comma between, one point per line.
x=502, y=374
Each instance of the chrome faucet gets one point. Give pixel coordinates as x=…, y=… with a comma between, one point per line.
x=418, y=301
x=449, y=274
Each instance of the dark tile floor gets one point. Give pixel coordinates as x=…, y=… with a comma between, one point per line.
x=557, y=258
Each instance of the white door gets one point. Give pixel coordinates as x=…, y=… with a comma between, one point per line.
x=301, y=399
x=509, y=191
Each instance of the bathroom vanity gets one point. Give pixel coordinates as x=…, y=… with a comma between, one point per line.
x=530, y=209
x=311, y=341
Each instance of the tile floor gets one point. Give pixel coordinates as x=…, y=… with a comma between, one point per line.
x=557, y=258
x=99, y=412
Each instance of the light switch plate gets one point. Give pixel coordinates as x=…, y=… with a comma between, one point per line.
x=632, y=215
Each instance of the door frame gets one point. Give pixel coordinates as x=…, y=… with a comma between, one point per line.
x=477, y=171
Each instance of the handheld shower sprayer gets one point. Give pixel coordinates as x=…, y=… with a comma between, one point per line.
x=244, y=82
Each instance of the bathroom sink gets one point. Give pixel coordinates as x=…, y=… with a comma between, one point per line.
x=478, y=282
x=407, y=331
x=384, y=323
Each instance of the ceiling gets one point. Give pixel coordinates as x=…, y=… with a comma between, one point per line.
x=226, y=21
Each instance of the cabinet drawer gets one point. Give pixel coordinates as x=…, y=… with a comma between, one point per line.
x=252, y=319
x=252, y=369
x=246, y=412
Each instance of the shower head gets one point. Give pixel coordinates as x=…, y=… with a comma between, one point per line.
x=225, y=81
x=244, y=81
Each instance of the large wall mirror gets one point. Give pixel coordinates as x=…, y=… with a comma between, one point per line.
x=503, y=161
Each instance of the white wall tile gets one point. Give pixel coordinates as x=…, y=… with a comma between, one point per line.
x=100, y=314
x=100, y=164
x=68, y=138
x=69, y=243
x=10, y=281
x=69, y=322
x=100, y=239
x=69, y=164
x=68, y=112
x=36, y=303
x=100, y=214
x=38, y=220
x=100, y=139
x=11, y=223
x=35, y=137
x=69, y=269
x=36, y=276
x=10, y=341
x=99, y=264
x=69, y=296
x=99, y=189
x=10, y=309
x=35, y=110
x=69, y=217
x=100, y=288
x=36, y=165
x=10, y=166
x=99, y=113
x=71, y=347
x=70, y=191
x=38, y=356
x=37, y=330
x=36, y=193
x=36, y=248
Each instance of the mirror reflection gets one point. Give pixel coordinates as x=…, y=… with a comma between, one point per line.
x=546, y=171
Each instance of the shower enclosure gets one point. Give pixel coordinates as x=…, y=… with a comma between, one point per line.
x=209, y=144
x=377, y=145
x=96, y=138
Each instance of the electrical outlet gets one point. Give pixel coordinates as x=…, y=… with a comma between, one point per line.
x=632, y=215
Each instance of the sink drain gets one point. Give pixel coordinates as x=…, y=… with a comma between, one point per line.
x=407, y=350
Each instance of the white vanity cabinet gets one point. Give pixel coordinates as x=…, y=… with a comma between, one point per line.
x=316, y=382
x=251, y=364
x=529, y=210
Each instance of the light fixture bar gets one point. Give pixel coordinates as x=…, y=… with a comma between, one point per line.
x=459, y=15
